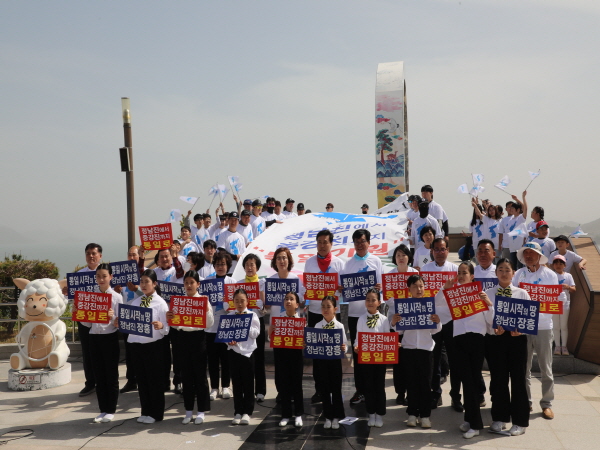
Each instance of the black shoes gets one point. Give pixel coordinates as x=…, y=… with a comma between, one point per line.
x=129, y=386
x=457, y=406
x=87, y=391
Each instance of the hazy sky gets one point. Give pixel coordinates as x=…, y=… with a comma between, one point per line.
x=281, y=93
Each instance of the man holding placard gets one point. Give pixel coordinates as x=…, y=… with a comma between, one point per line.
x=536, y=273
x=362, y=261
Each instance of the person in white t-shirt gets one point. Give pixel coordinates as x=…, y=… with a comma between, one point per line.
x=560, y=321
x=188, y=245
x=168, y=268
x=244, y=227
x=198, y=225
x=364, y=208
x=269, y=215
x=548, y=245
x=278, y=213
x=257, y=222
x=232, y=241
x=288, y=211
x=518, y=210
x=424, y=219
x=300, y=209
x=435, y=209
x=503, y=250
x=562, y=245
x=422, y=254
x=537, y=215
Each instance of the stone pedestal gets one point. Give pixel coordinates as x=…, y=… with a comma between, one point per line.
x=38, y=379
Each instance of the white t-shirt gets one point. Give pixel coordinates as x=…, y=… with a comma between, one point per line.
x=570, y=256
x=355, y=265
x=490, y=230
x=422, y=256
x=246, y=232
x=169, y=275
x=189, y=247
x=418, y=224
x=201, y=237
x=411, y=214
x=258, y=225
x=234, y=243
x=503, y=229
x=566, y=278
x=476, y=232
x=547, y=244
x=514, y=242
x=436, y=210
x=288, y=214
x=207, y=270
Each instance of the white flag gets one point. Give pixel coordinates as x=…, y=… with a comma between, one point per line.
x=223, y=190
x=463, y=189
x=534, y=175
x=214, y=190
x=476, y=190
x=521, y=231
x=235, y=182
x=578, y=232
x=504, y=182
x=175, y=216
x=191, y=200
x=477, y=179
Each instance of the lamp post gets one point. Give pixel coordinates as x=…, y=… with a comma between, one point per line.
x=126, y=154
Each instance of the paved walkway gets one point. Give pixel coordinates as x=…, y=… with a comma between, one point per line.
x=62, y=420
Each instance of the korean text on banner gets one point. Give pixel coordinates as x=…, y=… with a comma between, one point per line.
x=91, y=307
x=394, y=285
x=487, y=283
x=377, y=348
x=213, y=289
x=464, y=300
x=234, y=327
x=547, y=295
x=287, y=332
x=188, y=311
x=167, y=290
x=80, y=281
x=252, y=291
x=276, y=288
x=323, y=344
x=356, y=285
x=434, y=281
x=415, y=313
x=156, y=237
x=135, y=320
x=124, y=272
x=320, y=285
x=515, y=314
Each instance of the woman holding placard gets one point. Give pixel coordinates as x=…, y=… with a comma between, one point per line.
x=194, y=360
x=506, y=354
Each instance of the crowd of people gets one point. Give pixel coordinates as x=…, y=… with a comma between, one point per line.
x=204, y=370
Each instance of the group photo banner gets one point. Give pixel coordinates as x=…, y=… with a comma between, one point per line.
x=415, y=313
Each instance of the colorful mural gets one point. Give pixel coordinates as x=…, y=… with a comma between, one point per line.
x=391, y=146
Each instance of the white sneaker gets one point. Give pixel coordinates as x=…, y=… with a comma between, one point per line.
x=186, y=420
x=412, y=421
x=378, y=421
x=335, y=424
x=298, y=422
x=108, y=418
x=327, y=425
x=425, y=422
x=464, y=427
x=516, y=430
x=149, y=420
x=260, y=398
x=371, y=422
x=213, y=394
x=141, y=419
x=283, y=422
x=471, y=433
x=99, y=418
x=199, y=418
x=236, y=420
x=226, y=393
x=497, y=426
x=245, y=419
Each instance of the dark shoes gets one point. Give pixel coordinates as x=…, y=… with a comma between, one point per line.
x=457, y=406
x=357, y=398
x=87, y=391
x=129, y=386
x=401, y=400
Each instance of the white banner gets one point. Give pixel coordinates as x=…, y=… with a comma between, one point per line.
x=299, y=234
x=398, y=205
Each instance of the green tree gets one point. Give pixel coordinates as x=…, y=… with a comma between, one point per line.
x=384, y=144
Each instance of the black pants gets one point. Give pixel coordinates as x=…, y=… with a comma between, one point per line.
x=242, y=377
x=445, y=338
x=130, y=373
x=193, y=370
x=217, y=355
x=470, y=350
x=88, y=371
x=399, y=372
x=289, y=366
x=166, y=360
x=148, y=360
x=359, y=379
x=328, y=375
x=104, y=350
x=507, y=360
x=178, y=352
x=418, y=389
x=260, y=376
x=374, y=390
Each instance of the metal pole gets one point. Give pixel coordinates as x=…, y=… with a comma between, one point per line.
x=129, y=174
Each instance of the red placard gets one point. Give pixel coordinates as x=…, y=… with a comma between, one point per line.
x=156, y=237
x=287, y=332
x=464, y=300
x=394, y=285
x=319, y=285
x=547, y=295
x=377, y=348
x=434, y=281
x=252, y=289
x=188, y=311
x=91, y=307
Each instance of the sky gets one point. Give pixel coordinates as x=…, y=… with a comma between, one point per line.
x=282, y=94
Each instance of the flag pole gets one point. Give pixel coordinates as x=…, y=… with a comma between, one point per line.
x=230, y=185
x=503, y=190
x=539, y=170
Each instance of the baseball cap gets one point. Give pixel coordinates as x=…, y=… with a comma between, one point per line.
x=245, y=212
x=562, y=237
x=289, y=200
x=234, y=215
x=365, y=206
x=257, y=202
x=542, y=223
x=300, y=206
x=247, y=202
x=559, y=258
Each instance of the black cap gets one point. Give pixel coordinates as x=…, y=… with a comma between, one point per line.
x=289, y=200
x=427, y=188
x=234, y=215
x=365, y=206
x=245, y=212
x=222, y=217
x=257, y=202
x=300, y=206
x=562, y=237
x=247, y=202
